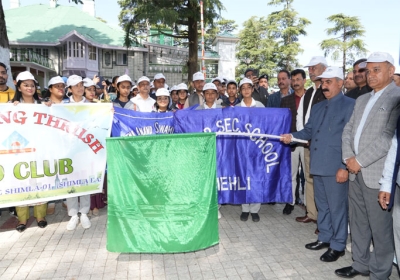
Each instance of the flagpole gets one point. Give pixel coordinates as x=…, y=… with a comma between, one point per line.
x=203, y=65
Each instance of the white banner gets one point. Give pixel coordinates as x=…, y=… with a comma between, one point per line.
x=49, y=153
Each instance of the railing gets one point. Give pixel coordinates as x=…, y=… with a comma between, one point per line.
x=165, y=68
x=25, y=55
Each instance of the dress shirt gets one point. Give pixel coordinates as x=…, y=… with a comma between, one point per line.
x=143, y=105
x=387, y=175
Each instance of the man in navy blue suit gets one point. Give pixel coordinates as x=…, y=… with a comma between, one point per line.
x=324, y=129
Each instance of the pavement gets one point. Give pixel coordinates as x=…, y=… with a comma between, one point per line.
x=270, y=249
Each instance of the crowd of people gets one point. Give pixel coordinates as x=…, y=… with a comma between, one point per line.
x=349, y=122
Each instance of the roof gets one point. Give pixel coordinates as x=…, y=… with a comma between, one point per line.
x=42, y=24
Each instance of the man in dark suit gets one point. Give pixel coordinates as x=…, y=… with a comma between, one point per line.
x=360, y=79
x=292, y=102
x=324, y=129
x=366, y=140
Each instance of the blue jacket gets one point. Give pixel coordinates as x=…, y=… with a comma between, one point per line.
x=274, y=100
x=325, y=133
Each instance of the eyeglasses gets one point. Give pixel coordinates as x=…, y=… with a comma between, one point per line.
x=362, y=70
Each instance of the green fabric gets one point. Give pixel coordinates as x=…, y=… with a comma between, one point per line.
x=162, y=193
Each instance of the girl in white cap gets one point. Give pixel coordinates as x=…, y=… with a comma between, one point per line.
x=162, y=101
x=56, y=91
x=246, y=89
x=90, y=90
x=123, y=87
x=76, y=88
x=25, y=91
x=182, y=91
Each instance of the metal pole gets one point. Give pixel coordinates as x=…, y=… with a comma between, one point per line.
x=203, y=64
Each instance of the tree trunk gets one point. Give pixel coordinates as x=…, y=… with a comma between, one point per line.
x=344, y=52
x=193, y=48
x=4, y=46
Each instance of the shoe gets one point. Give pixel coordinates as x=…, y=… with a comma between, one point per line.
x=219, y=215
x=331, y=255
x=85, y=222
x=317, y=245
x=95, y=211
x=288, y=209
x=73, y=222
x=305, y=219
x=244, y=216
x=51, y=207
x=42, y=224
x=89, y=214
x=20, y=227
x=316, y=231
x=255, y=217
x=349, y=272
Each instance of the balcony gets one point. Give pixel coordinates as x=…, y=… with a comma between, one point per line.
x=165, y=68
x=25, y=55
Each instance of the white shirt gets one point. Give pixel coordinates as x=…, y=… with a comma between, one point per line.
x=371, y=102
x=253, y=103
x=212, y=107
x=71, y=100
x=300, y=112
x=387, y=175
x=143, y=105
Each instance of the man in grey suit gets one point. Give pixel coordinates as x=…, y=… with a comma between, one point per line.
x=365, y=143
x=324, y=128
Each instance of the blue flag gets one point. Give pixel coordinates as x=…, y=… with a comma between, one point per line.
x=250, y=169
x=131, y=123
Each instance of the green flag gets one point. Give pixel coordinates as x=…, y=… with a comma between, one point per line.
x=162, y=193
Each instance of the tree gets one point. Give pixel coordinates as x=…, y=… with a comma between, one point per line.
x=255, y=48
x=183, y=16
x=348, y=43
x=286, y=27
x=220, y=27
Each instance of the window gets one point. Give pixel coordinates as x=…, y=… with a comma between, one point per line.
x=65, y=51
x=122, y=58
x=92, y=53
x=107, y=58
x=45, y=53
x=38, y=51
x=69, y=49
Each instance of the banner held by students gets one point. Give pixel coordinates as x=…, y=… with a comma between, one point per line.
x=131, y=123
x=162, y=193
x=250, y=169
x=49, y=153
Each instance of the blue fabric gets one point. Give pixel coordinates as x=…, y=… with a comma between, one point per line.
x=396, y=167
x=131, y=123
x=249, y=169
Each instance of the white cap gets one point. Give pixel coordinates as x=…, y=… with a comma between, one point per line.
x=245, y=81
x=315, y=60
x=56, y=80
x=124, y=78
x=182, y=86
x=162, y=92
x=380, y=57
x=73, y=80
x=151, y=84
x=26, y=75
x=332, y=72
x=87, y=82
x=198, y=76
x=219, y=79
x=144, y=78
x=172, y=88
x=159, y=76
x=166, y=86
x=209, y=86
x=133, y=88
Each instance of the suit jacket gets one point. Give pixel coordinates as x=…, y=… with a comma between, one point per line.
x=290, y=102
x=194, y=99
x=357, y=92
x=318, y=97
x=274, y=100
x=324, y=128
x=260, y=94
x=376, y=135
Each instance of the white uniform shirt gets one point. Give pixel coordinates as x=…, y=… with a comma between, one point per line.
x=143, y=105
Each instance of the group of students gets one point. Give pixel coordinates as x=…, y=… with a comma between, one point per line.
x=127, y=95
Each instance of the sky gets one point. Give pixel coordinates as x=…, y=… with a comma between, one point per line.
x=379, y=18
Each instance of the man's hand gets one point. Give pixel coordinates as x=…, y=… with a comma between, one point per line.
x=286, y=138
x=96, y=79
x=254, y=79
x=352, y=165
x=384, y=199
x=342, y=176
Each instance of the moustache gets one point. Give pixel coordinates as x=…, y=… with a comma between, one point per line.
x=296, y=85
x=325, y=90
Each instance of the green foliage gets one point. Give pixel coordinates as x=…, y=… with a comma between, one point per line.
x=347, y=45
x=182, y=16
x=256, y=46
x=285, y=27
x=220, y=27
